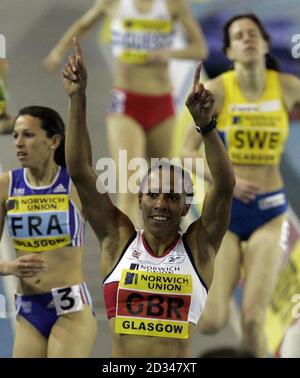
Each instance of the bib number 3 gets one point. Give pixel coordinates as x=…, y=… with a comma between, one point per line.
x=67, y=299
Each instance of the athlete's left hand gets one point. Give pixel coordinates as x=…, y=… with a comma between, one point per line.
x=75, y=73
x=200, y=101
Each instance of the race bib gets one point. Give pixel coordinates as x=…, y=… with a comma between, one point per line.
x=153, y=304
x=255, y=145
x=67, y=299
x=133, y=39
x=39, y=223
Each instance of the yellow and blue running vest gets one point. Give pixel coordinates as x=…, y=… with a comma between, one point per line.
x=43, y=218
x=254, y=132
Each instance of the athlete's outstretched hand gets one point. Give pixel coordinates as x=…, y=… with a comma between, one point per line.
x=200, y=101
x=74, y=73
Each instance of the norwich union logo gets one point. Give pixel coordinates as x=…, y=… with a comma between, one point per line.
x=131, y=278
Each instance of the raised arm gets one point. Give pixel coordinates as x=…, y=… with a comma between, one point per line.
x=3, y=70
x=193, y=141
x=214, y=220
x=103, y=216
x=79, y=28
x=196, y=47
x=190, y=149
x=6, y=121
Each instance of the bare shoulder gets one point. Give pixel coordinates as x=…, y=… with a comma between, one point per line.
x=290, y=86
x=4, y=185
x=289, y=81
x=105, y=6
x=215, y=84
x=177, y=7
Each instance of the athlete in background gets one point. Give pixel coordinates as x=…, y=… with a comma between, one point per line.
x=140, y=114
x=6, y=121
x=43, y=210
x=252, y=104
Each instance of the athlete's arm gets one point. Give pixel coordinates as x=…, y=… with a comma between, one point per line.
x=190, y=152
x=212, y=225
x=3, y=70
x=79, y=28
x=4, y=184
x=290, y=85
x=6, y=121
x=192, y=141
x=104, y=217
x=196, y=47
x=6, y=124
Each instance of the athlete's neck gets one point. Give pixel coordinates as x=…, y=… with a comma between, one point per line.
x=42, y=175
x=251, y=78
x=159, y=244
x=143, y=6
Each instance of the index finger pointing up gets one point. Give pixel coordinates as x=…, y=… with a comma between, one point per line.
x=197, y=76
x=78, y=51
